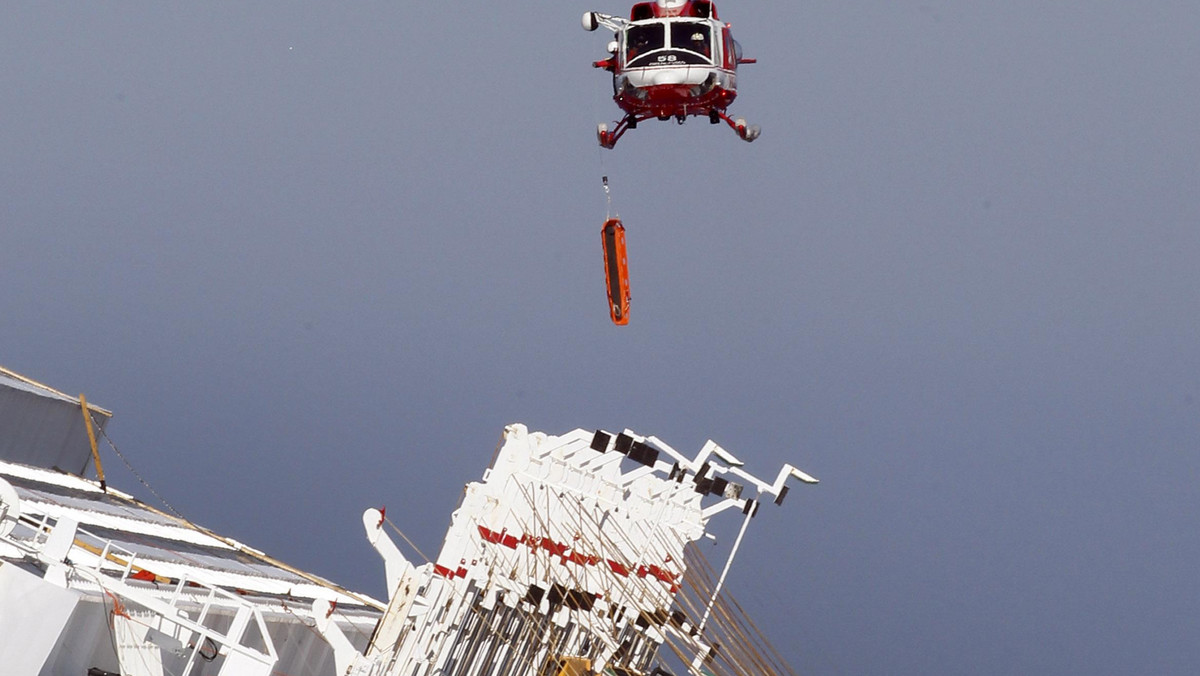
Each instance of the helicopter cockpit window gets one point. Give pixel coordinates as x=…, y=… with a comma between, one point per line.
x=641, y=40
x=692, y=37
x=690, y=44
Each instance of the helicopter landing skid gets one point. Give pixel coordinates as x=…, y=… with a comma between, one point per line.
x=608, y=138
x=746, y=132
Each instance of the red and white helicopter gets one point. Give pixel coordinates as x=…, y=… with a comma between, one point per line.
x=671, y=59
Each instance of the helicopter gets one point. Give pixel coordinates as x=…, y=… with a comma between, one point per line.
x=670, y=59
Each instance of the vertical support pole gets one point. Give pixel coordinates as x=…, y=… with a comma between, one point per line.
x=87, y=423
x=721, y=582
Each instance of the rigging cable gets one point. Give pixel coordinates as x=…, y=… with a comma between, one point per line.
x=410, y=542
x=135, y=473
x=320, y=582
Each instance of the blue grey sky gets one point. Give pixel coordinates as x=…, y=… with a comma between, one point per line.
x=316, y=255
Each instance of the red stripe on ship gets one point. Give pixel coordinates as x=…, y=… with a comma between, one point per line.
x=501, y=538
x=490, y=535
x=561, y=550
x=618, y=568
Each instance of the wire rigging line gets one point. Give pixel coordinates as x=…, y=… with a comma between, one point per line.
x=410, y=542
x=231, y=543
x=135, y=474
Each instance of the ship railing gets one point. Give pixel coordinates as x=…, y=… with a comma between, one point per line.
x=56, y=542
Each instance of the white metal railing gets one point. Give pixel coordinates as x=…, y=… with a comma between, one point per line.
x=57, y=543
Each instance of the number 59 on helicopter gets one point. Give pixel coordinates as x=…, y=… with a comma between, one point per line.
x=670, y=59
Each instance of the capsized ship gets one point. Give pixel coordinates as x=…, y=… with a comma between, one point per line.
x=94, y=582
x=575, y=554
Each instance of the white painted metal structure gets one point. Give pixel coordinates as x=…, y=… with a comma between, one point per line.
x=95, y=580
x=566, y=559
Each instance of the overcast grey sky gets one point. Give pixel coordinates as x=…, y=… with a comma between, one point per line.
x=316, y=255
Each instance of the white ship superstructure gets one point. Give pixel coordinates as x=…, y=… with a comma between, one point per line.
x=574, y=555
x=94, y=582
x=570, y=557
x=94, y=579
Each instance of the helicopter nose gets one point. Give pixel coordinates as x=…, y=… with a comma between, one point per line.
x=667, y=77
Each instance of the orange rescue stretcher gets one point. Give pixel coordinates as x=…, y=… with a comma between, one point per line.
x=616, y=270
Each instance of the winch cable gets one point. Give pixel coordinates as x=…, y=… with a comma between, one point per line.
x=607, y=197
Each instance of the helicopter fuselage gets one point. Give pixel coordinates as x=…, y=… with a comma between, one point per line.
x=671, y=59
x=672, y=67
